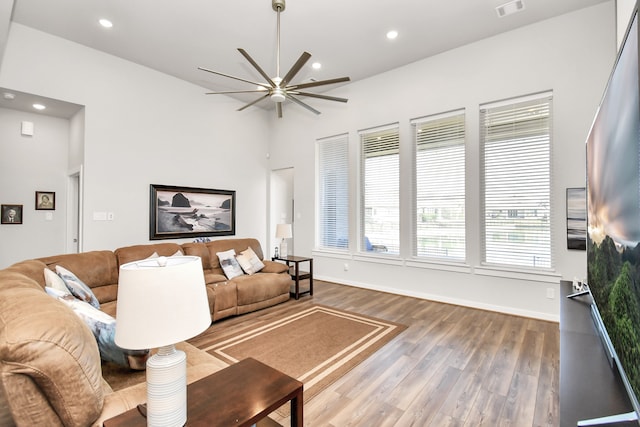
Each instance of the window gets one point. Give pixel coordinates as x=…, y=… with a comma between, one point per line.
x=440, y=187
x=333, y=192
x=380, y=190
x=516, y=182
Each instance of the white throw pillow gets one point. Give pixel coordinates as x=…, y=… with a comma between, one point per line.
x=249, y=261
x=229, y=264
x=54, y=281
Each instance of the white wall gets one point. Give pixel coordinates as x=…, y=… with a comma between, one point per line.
x=29, y=164
x=141, y=127
x=571, y=55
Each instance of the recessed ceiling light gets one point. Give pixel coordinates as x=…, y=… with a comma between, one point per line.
x=316, y=65
x=39, y=106
x=392, y=34
x=9, y=96
x=106, y=23
x=510, y=8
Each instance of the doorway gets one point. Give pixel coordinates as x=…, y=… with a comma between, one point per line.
x=74, y=213
x=282, y=207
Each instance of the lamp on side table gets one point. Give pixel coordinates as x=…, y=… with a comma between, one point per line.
x=283, y=232
x=161, y=302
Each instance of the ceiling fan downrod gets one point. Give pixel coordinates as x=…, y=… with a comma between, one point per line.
x=278, y=6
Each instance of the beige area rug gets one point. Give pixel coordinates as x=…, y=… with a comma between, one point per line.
x=316, y=345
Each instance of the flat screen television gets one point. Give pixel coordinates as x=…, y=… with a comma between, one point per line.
x=613, y=217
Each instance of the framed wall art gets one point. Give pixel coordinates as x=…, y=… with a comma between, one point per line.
x=11, y=214
x=577, y=218
x=183, y=212
x=45, y=201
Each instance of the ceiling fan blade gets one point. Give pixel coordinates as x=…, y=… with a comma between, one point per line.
x=253, y=102
x=232, y=77
x=302, y=104
x=316, y=95
x=279, y=109
x=235, y=91
x=296, y=67
x=319, y=83
x=257, y=67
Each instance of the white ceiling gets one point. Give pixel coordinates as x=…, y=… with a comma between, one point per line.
x=347, y=37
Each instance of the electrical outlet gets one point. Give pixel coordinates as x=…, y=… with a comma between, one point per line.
x=346, y=267
x=550, y=293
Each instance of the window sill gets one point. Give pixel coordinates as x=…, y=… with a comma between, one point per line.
x=456, y=267
x=546, y=276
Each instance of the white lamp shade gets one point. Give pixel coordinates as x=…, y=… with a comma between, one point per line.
x=283, y=231
x=160, y=305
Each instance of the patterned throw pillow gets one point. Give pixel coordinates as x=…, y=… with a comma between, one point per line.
x=249, y=261
x=229, y=264
x=103, y=327
x=77, y=287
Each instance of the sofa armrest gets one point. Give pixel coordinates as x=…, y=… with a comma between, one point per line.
x=274, y=267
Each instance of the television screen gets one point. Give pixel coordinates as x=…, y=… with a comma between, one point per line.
x=613, y=205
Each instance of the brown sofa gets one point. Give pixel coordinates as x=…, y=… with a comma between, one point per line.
x=50, y=368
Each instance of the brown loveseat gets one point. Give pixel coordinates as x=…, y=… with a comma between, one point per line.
x=50, y=368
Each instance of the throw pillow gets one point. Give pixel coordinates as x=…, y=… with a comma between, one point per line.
x=249, y=261
x=77, y=287
x=229, y=264
x=103, y=327
x=54, y=281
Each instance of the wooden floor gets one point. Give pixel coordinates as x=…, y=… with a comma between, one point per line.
x=452, y=366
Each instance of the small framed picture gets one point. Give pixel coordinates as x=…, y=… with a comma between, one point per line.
x=45, y=200
x=11, y=214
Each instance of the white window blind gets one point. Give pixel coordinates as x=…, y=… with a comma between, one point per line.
x=333, y=192
x=440, y=187
x=516, y=182
x=380, y=190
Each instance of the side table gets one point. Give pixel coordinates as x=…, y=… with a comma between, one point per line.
x=296, y=274
x=239, y=395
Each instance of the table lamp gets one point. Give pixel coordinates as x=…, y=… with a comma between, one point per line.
x=283, y=231
x=161, y=302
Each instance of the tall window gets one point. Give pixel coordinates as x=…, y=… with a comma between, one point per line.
x=440, y=187
x=333, y=192
x=516, y=182
x=380, y=190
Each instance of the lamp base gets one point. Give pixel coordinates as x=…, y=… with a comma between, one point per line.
x=167, y=388
x=283, y=248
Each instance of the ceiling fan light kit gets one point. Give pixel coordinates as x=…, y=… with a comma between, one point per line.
x=279, y=89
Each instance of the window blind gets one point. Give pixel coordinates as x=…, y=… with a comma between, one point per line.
x=333, y=192
x=380, y=190
x=439, y=230
x=516, y=182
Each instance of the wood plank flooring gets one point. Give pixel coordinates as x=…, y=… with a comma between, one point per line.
x=453, y=366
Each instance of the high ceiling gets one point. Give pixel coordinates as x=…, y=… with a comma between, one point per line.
x=346, y=37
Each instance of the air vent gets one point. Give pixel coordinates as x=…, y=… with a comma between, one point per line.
x=510, y=8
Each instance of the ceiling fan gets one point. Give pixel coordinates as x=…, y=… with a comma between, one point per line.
x=279, y=89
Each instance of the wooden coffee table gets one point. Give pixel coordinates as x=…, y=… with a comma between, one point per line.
x=239, y=395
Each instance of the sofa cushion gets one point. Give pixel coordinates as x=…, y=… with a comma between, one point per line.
x=261, y=286
x=238, y=245
x=137, y=252
x=97, y=269
x=49, y=361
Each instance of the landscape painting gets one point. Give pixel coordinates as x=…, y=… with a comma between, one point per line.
x=183, y=212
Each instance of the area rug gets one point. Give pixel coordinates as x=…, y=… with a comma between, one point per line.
x=317, y=345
